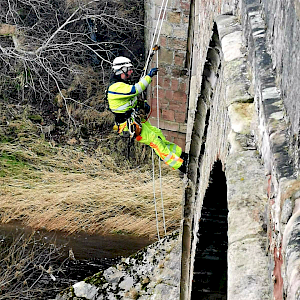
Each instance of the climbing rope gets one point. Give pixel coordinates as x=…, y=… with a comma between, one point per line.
x=154, y=195
x=160, y=177
x=156, y=35
x=160, y=20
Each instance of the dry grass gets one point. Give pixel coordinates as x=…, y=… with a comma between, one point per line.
x=65, y=189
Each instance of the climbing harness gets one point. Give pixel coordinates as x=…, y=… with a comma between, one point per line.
x=132, y=127
x=134, y=124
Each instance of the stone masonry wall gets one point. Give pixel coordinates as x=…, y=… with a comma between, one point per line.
x=262, y=182
x=173, y=81
x=283, y=37
x=227, y=103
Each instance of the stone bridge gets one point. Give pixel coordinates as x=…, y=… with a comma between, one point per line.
x=228, y=90
x=228, y=94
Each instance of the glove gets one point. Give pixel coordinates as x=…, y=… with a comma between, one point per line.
x=153, y=72
x=147, y=108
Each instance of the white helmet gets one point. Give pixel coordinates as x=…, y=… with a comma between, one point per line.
x=121, y=65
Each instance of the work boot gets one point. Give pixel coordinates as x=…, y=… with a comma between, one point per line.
x=183, y=167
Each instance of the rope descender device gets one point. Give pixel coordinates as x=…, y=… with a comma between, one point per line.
x=154, y=49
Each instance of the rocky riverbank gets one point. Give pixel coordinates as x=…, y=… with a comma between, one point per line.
x=152, y=273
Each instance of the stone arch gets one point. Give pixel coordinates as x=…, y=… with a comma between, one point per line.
x=204, y=120
x=210, y=264
x=222, y=132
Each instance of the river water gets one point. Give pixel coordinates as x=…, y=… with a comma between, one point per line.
x=92, y=254
x=84, y=246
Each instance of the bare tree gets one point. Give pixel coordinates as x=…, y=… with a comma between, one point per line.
x=46, y=46
x=25, y=265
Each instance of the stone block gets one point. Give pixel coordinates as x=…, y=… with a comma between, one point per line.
x=174, y=84
x=237, y=92
x=165, y=56
x=179, y=59
x=161, y=93
x=183, y=128
x=185, y=5
x=171, y=126
x=174, y=3
x=177, y=44
x=186, y=17
x=290, y=247
x=180, y=141
x=231, y=46
x=168, y=135
x=168, y=115
x=227, y=24
x=180, y=117
x=176, y=71
x=241, y=116
x=167, y=29
x=169, y=95
x=167, y=125
x=162, y=70
x=248, y=276
x=173, y=134
x=163, y=41
x=177, y=107
x=181, y=33
x=164, y=105
x=153, y=113
x=174, y=17
x=166, y=83
x=160, y=2
x=160, y=81
x=182, y=86
x=180, y=97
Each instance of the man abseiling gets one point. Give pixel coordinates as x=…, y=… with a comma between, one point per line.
x=123, y=102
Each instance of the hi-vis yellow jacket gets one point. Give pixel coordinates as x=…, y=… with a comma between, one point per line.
x=123, y=97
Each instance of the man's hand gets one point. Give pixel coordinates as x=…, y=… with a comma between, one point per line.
x=147, y=108
x=153, y=72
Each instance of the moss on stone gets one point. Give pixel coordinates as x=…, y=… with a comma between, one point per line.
x=68, y=293
x=144, y=283
x=97, y=280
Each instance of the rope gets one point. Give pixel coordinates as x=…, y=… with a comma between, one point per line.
x=153, y=180
x=160, y=177
x=163, y=6
x=161, y=13
x=161, y=17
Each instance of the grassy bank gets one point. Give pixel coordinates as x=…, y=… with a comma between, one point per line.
x=64, y=188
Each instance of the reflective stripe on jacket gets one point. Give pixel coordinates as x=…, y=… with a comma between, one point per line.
x=169, y=152
x=122, y=96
